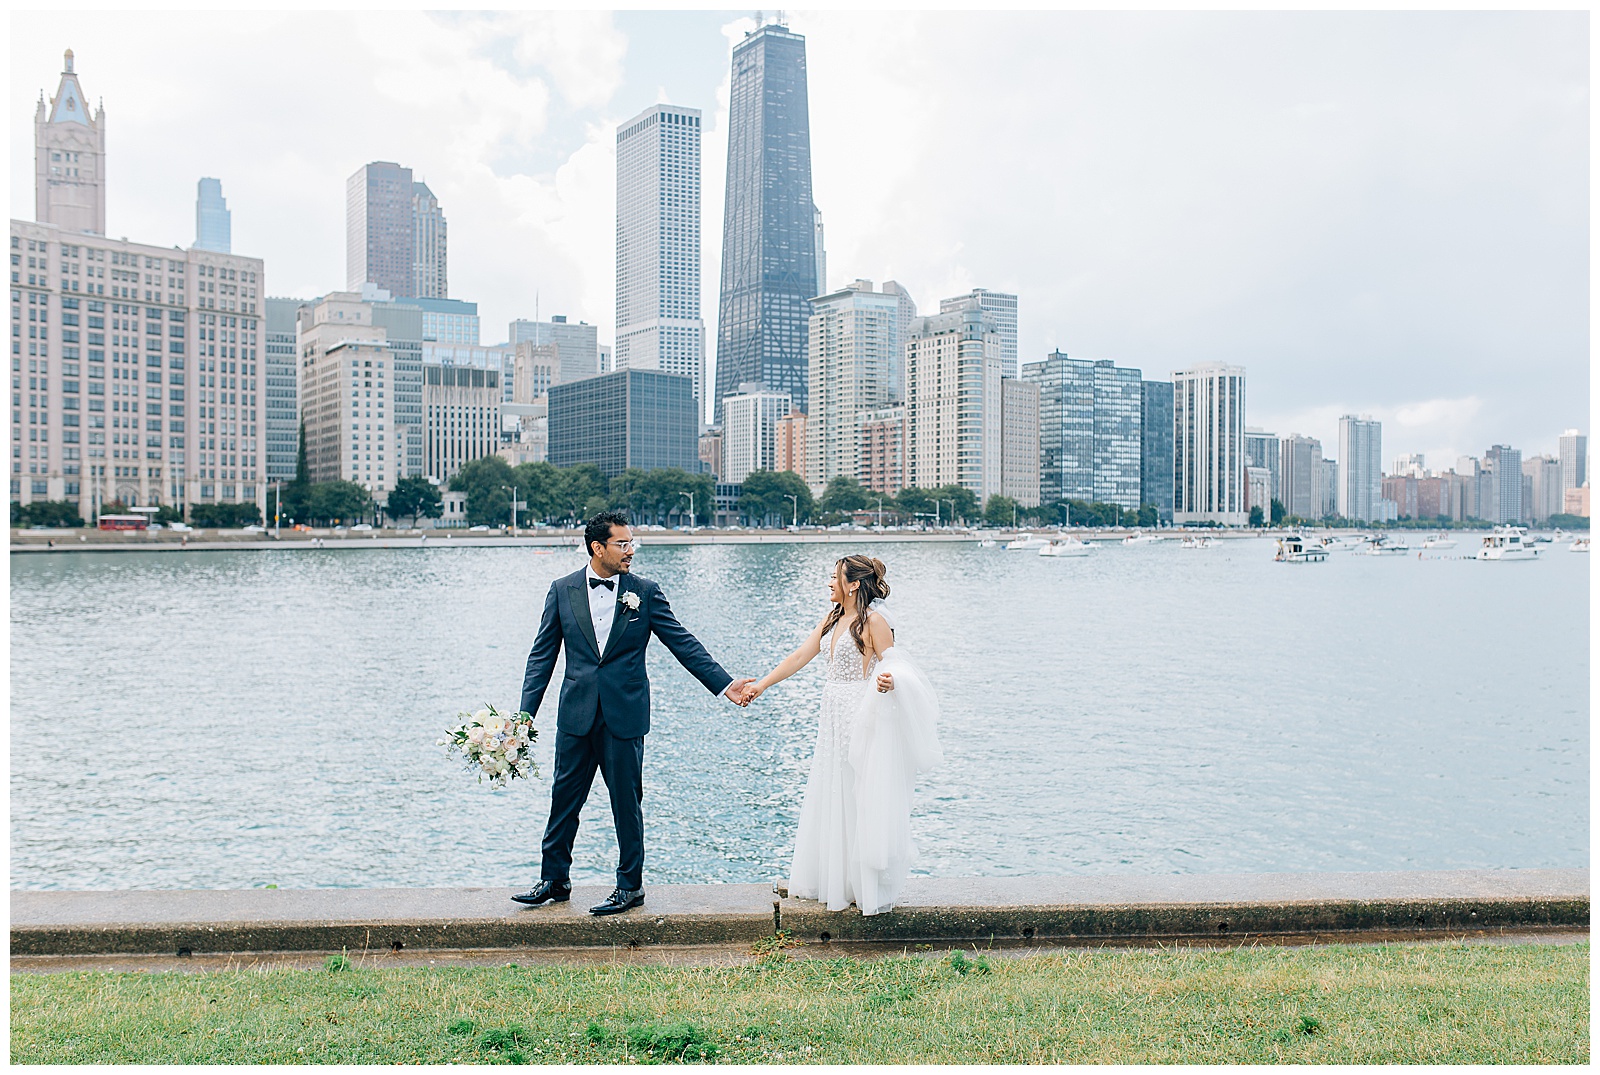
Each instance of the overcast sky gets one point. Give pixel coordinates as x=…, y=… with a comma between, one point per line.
x=1376, y=213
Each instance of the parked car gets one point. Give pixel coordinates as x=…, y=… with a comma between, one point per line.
x=362, y=527
x=479, y=529
x=254, y=529
x=180, y=528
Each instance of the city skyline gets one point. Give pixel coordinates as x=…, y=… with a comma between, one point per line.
x=1408, y=338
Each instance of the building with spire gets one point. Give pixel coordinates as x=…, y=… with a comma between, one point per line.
x=70, y=159
x=213, y=224
x=136, y=366
x=769, y=231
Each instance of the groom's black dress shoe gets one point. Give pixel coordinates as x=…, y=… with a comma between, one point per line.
x=620, y=900
x=545, y=892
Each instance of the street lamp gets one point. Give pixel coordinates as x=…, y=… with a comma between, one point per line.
x=952, y=504
x=880, y=513
x=794, y=497
x=691, y=505
x=277, y=511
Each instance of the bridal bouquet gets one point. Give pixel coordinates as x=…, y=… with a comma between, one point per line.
x=495, y=745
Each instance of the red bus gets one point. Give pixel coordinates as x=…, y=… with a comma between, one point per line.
x=124, y=522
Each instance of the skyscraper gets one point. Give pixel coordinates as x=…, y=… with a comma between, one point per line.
x=213, y=224
x=658, y=245
x=1503, y=504
x=1261, y=449
x=577, y=343
x=281, y=367
x=1155, y=448
x=1361, y=467
x=1208, y=445
x=1574, y=459
x=430, y=267
x=769, y=257
x=954, y=407
x=380, y=234
x=1091, y=419
x=1300, y=476
x=851, y=346
x=1002, y=309
x=630, y=418
x=69, y=154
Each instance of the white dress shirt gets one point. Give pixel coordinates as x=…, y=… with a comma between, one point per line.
x=602, y=605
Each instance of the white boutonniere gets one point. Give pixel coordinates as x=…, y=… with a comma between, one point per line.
x=630, y=601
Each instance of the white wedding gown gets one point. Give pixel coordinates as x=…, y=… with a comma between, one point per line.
x=854, y=839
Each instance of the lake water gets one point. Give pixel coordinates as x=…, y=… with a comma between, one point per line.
x=236, y=719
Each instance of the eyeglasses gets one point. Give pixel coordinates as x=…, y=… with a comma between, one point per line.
x=625, y=546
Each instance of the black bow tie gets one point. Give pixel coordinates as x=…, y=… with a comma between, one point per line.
x=610, y=584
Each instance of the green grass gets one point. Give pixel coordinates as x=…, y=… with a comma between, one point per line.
x=1338, y=1004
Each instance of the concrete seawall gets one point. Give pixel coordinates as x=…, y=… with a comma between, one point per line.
x=1229, y=907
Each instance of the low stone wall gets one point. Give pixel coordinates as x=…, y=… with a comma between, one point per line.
x=1004, y=910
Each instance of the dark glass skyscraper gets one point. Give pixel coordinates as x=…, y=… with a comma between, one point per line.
x=769, y=257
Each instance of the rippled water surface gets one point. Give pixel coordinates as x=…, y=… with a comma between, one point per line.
x=233, y=719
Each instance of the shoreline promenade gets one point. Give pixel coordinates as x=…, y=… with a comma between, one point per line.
x=1020, y=911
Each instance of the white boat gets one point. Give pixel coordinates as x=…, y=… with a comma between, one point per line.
x=1379, y=545
x=1294, y=549
x=1138, y=537
x=1439, y=541
x=1067, y=546
x=1024, y=542
x=1198, y=543
x=988, y=543
x=1508, y=543
x=1579, y=545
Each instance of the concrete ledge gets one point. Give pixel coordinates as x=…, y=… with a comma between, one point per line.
x=932, y=910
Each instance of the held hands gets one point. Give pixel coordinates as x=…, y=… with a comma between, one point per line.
x=885, y=682
x=741, y=692
x=738, y=692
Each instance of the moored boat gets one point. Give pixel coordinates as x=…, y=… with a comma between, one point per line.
x=1066, y=546
x=1198, y=542
x=1025, y=542
x=1439, y=541
x=1579, y=545
x=1508, y=543
x=1294, y=549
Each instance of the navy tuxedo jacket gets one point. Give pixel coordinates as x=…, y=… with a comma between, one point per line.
x=615, y=684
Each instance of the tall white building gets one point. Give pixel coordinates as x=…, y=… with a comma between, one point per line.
x=851, y=344
x=1574, y=450
x=1541, y=488
x=953, y=402
x=1208, y=445
x=1002, y=310
x=69, y=153
x=904, y=315
x=658, y=245
x=750, y=419
x=1360, y=467
x=430, y=241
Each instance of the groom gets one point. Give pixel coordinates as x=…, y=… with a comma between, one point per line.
x=604, y=616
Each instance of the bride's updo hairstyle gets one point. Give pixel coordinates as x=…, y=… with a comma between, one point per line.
x=869, y=572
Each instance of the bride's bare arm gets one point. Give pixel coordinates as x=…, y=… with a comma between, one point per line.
x=882, y=639
x=789, y=665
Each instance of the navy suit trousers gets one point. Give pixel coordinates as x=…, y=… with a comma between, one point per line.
x=621, y=765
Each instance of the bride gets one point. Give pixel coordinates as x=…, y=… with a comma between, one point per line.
x=876, y=733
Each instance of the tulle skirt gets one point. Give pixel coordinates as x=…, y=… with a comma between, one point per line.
x=854, y=841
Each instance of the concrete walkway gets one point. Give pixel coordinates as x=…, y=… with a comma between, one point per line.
x=1006, y=910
